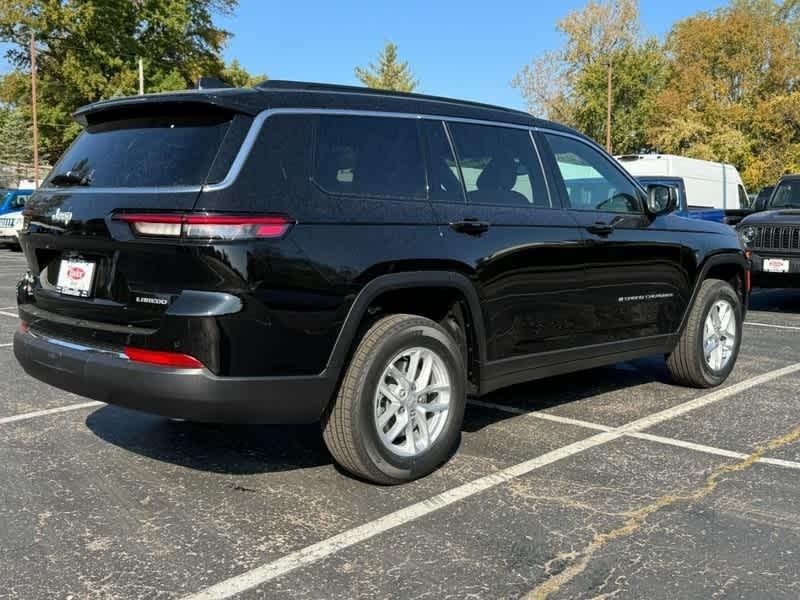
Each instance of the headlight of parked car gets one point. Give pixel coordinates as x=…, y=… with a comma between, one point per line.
x=747, y=234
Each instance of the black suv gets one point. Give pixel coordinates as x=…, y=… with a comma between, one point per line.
x=773, y=237
x=301, y=252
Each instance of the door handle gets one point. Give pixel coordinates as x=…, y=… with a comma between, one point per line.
x=471, y=226
x=602, y=229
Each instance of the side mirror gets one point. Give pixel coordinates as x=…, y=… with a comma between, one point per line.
x=661, y=200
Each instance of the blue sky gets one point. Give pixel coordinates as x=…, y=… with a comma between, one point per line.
x=470, y=49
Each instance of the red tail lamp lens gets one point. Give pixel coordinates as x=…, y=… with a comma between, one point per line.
x=206, y=227
x=163, y=359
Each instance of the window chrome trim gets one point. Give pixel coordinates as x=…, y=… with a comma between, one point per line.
x=543, y=172
x=188, y=189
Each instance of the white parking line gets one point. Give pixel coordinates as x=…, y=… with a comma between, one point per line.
x=641, y=436
x=8, y=314
x=321, y=550
x=6, y=345
x=49, y=411
x=771, y=326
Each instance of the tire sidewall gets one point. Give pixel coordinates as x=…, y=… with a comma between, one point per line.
x=721, y=291
x=404, y=468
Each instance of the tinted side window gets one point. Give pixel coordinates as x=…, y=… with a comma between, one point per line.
x=499, y=165
x=592, y=181
x=369, y=156
x=444, y=182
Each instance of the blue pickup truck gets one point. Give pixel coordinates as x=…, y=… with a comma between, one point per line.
x=14, y=200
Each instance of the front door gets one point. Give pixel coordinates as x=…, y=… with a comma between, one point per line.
x=637, y=282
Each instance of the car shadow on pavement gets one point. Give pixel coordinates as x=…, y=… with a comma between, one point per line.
x=778, y=300
x=230, y=449
x=564, y=389
x=254, y=449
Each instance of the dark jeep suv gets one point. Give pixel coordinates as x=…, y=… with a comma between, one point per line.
x=773, y=237
x=300, y=252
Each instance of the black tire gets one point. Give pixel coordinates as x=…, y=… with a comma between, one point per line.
x=348, y=425
x=687, y=363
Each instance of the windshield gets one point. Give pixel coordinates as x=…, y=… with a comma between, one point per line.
x=152, y=151
x=787, y=195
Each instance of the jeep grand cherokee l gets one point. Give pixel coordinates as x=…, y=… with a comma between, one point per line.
x=302, y=252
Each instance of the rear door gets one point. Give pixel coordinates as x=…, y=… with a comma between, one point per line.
x=495, y=212
x=637, y=281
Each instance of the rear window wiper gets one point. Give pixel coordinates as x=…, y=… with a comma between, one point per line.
x=71, y=178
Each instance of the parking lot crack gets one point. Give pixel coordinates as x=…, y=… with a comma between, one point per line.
x=636, y=519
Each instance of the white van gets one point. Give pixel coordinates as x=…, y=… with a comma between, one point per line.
x=708, y=184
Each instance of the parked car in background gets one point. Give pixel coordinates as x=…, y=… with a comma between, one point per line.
x=710, y=190
x=11, y=224
x=773, y=237
x=14, y=200
x=761, y=200
x=299, y=253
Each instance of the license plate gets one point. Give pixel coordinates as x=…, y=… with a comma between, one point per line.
x=75, y=277
x=776, y=265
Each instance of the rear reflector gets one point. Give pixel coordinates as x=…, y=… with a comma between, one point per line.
x=163, y=359
x=206, y=227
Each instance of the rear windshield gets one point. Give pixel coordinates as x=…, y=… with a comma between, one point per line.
x=787, y=195
x=152, y=151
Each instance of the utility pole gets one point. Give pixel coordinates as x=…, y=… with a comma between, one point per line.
x=34, y=113
x=608, y=106
x=141, y=77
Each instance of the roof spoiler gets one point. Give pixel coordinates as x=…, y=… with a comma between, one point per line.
x=212, y=83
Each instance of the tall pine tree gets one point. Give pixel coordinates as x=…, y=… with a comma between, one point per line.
x=389, y=73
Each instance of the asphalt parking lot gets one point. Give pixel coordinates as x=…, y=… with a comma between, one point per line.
x=607, y=483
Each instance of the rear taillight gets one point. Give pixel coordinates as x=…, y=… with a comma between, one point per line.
x=205, y=227
x=163, y=359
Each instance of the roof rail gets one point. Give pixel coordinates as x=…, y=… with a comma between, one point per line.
x=306, y=86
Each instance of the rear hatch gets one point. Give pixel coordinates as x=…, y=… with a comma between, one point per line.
x=90, y=269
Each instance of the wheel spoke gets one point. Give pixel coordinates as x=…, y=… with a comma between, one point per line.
x=433, y=389
x=386, y=416
x=711, y=344
x=717, y=357
x=725, y=313
x=424, y=433
x=397, y=428
x=410, y=443
x=433, y=407
x=398, y=375
x=425, y=371
x=715, y=320
x=413, y=365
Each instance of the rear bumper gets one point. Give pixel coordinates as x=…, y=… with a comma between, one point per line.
x=193, y=394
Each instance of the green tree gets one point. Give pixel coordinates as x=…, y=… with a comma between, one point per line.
x=237, y=76
x=88, y=50
x=16, y=149
x=388, y=73
x=570, y=85
x=732, y=91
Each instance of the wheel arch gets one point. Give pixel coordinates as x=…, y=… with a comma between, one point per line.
x=389, y=286
x=728, y=266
